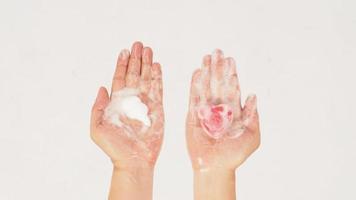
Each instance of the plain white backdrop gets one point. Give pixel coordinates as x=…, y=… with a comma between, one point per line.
x=297, y=56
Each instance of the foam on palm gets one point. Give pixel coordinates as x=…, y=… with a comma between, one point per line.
x=126, y=103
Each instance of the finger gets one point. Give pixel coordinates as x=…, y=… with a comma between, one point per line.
x=232, y=90
x=194, y=97
x=205, y=79
x=134, y=68
x=194, y=88
x=146, y=70
x=249, y=113
x=217, y=62
x=156, y=83
x=231, y=71
x=99, y=106
x=120, y=71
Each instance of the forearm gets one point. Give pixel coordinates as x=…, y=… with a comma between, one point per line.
x=133, y=184
x=214, y=185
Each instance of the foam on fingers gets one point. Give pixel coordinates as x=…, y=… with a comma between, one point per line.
x=134, y=65
x=120, y=71
x=220, y=113
x=216, y=73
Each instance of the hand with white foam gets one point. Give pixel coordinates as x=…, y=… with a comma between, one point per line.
x=128, y=125
x=220, y=133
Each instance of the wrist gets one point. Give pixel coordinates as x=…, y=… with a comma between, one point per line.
x=132, y=183
x=214, y=183
x=215, y=173
x=132, y=167
x=136, y=173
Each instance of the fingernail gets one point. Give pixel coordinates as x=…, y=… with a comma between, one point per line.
x=124, y=53
x=137, y=49
x=146, y=54
x=252, y=97
x=98, y=95
x=217, y=54
x=231, y=61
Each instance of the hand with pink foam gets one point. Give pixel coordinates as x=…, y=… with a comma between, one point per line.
x=220, y=133
x=215, y=119
x=132, y=145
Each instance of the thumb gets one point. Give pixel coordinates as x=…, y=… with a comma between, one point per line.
x=101, y=101
x=249, y=112
x=194, y=98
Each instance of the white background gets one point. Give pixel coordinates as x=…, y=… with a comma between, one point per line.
x=297, y=56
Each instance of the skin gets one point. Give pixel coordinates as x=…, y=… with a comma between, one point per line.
x=134, y=156
x=215, y=161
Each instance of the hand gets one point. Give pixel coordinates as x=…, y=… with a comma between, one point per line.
x=216, y=84
x=129, y=151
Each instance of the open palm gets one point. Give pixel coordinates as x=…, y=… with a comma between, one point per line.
x=216, y=83
x=126, y=149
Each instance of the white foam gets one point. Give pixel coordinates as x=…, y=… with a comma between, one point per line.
x=126, y=103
